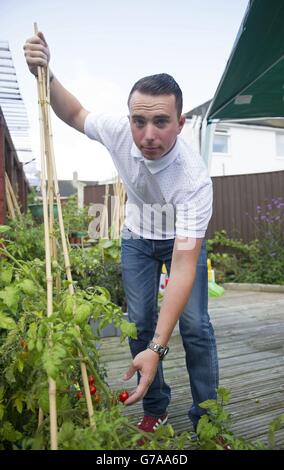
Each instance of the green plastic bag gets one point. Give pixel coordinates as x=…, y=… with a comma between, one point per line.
x=214, y=290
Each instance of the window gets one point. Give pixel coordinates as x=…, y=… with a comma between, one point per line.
x=221, y=142
x=279, y=145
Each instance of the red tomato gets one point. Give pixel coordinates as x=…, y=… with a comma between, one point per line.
x=162, y=286
x=91, y=379
x=123, y=396
x=93, y=390
x=79, y=395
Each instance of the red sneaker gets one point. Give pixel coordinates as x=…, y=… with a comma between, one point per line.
x=151, y=424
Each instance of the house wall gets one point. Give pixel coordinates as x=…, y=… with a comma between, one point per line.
x=10, y=164
x=251, y=150
x=2, y=172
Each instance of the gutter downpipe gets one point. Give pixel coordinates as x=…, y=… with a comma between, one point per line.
x=209, y=125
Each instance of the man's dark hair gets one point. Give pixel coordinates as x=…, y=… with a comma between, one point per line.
x=159, y=84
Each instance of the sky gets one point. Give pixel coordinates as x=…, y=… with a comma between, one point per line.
x=99, y=49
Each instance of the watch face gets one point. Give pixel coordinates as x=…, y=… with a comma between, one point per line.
x=164, y=352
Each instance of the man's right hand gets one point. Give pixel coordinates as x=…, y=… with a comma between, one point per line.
x=37, y=52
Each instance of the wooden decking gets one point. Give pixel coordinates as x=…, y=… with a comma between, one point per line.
x=249, y=328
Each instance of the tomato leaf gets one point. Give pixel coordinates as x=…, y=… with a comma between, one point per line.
x=20, y=365
x=9, y=433
x=52, y=359
x=6, y=322
x=10, y=297
x=6, y=275
x=28, y=287
x=2, y=411
x=19, y=404
x=83, y=313
x=68, y=306
x=39, y=345
x=128, y=329
x=4, y=228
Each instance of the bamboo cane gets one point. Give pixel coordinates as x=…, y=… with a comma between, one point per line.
x=12, y=194
x=10, y=203
x=118, y=207
x=42, y=119
x=67, y=264
x=40, y=418
x=50, y=177
x=122, y=205
x=118, y=212
x=50, y=188
x=53, y=186
x=115, y=215
x=104, y=217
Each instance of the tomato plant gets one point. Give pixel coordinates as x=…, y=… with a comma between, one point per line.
x=24, y=344
x=34, y=347
x=97, y=398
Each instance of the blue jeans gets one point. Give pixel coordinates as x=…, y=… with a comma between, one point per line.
x=142, y=260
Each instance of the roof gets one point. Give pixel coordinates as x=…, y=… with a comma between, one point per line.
x=200, y=110
x=14, y=110
x=252, y=84
x=68, y=187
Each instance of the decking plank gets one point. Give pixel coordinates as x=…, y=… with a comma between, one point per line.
x=249, y=329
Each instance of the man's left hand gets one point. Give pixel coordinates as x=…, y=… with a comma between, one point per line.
x=146, y=362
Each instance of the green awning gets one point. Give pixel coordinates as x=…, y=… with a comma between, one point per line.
x=252, y=85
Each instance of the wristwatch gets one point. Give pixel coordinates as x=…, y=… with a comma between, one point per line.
x=161, y=350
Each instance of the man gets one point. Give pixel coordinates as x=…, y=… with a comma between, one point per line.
x=168, y=209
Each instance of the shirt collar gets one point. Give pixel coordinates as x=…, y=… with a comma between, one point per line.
x=154, y=166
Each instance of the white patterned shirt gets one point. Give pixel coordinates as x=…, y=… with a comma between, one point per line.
x=165, y=197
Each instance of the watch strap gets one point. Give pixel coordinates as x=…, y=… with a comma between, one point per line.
x=161, y=350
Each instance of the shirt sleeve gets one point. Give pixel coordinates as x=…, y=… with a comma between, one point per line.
x=193, y=216
x=104, y=128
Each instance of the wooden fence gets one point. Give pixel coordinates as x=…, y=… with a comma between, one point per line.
x=235, y=201
x=95, y=194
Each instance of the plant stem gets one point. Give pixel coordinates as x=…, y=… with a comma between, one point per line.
x=93, y=370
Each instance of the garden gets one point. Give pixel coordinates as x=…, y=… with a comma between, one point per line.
x=38, y=351
x=259, y=261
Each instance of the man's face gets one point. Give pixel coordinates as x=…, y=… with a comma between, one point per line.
x=154, y=123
